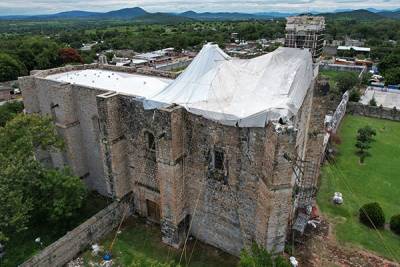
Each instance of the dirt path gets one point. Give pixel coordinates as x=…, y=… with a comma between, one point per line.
x=318, y=248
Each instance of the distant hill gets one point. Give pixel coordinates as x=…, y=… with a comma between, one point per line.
x=223, y=15
x=390, y=14
x=126, y=13
x=360, y=14
x=276, y=14
x=75, y=14
x=161, y=18
x=141, y=15
x=66, y=15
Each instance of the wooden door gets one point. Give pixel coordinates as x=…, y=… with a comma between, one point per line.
x=153, y=211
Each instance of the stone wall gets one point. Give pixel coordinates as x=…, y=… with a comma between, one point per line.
x=174, y=65
x=75, y=115
x=374, y=112
x=249, y=199
x=66, y=248
x=339, y=113
x=228, y=186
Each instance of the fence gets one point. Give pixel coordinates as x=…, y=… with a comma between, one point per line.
x=67, y=247
x=338, y=67
x=335, y=120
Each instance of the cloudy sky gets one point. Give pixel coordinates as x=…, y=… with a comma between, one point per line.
x=12, y=7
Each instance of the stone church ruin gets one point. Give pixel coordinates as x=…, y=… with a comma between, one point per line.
x=209, y=153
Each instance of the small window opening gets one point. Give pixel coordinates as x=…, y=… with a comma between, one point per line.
x=53, y=111
x=150, y=140
x=218, y=160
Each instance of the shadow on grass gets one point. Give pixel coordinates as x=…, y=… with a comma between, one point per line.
x=139, y=244
x=22, y=245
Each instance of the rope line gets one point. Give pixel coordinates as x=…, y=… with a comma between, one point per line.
x=341, y=175
x=120, y=224
x=190, y=225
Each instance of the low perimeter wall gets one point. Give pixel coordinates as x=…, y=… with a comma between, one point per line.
x=374, y=112
x=338, y=67
x=337, y=118
x=67, y=247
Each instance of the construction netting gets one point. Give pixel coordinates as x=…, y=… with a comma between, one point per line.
x=240, y=92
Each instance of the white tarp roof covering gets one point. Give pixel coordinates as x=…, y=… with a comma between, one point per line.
x=128, y=83
x=245, y=93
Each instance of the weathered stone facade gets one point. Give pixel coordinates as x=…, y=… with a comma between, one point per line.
x=227, y=186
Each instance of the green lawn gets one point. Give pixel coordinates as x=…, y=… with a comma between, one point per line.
x=22, y=245
x=139, y=244
x=378, y=179
x=332, y=75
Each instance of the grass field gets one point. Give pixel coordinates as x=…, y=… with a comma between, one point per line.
x=139, y=244
x=332, y=75
x=378, y=179
x=22, y=245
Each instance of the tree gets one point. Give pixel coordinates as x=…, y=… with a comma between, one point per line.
x=363, y=143
x=10, y=68
x=365, y=77
x=372, y=102
x=258, y=256
x=69, y=55
x=25, y=184
x=391, y=60
x=372, y=215
x=39, y=53
x=9, y=110
x=392, y=76
x=346, y=81
x=354, y=95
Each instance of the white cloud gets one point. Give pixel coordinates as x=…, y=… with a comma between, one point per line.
x=52, y=6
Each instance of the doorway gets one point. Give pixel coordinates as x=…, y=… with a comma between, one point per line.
x=153, y=211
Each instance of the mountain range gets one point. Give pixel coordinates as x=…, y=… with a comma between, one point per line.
x=139, y=14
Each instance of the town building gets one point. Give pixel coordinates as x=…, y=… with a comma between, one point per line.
x=210, y=153
x=353, y=42
x=306, y=32
x=88, y=47
x=352, y=51
x=6, y=93
x=103, y=59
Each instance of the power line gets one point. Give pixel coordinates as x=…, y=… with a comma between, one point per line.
x=340, y=175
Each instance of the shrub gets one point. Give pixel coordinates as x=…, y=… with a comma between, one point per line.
x=257, y=256
x=354, y=96
x=365, y=78
x=395, y=224
x=9, y=110
x=346, y=81
x=336, y=139
x=371, y=214
x=372, y=102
